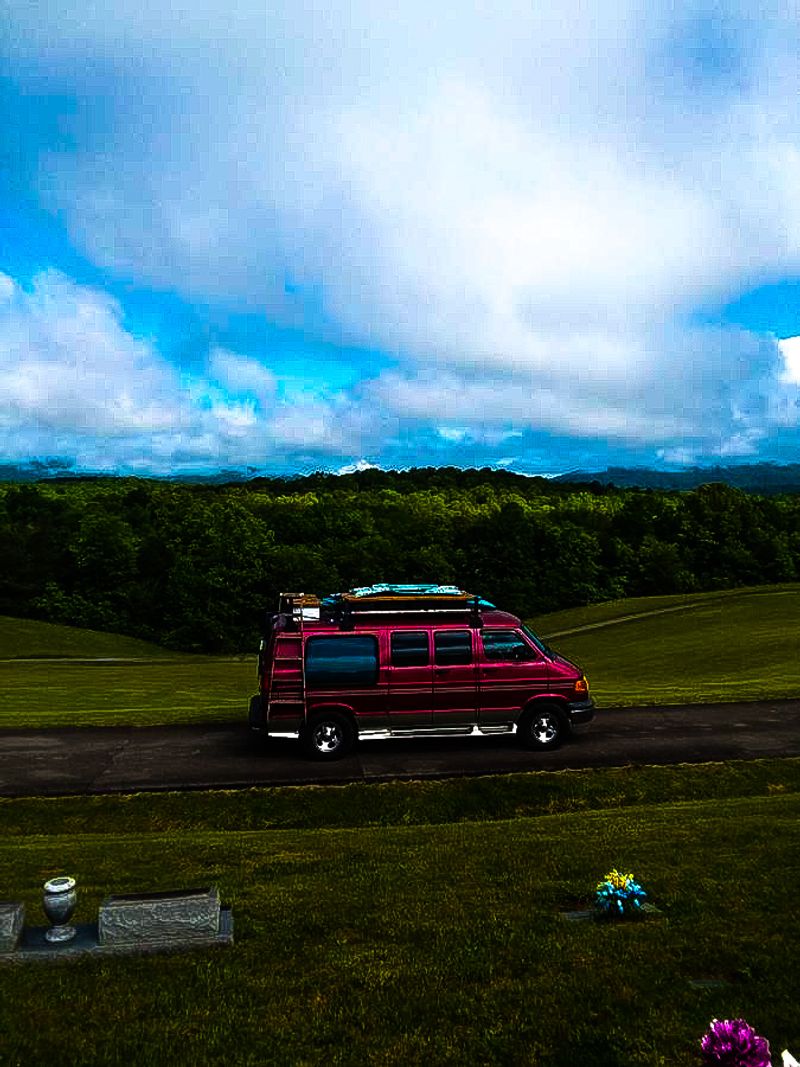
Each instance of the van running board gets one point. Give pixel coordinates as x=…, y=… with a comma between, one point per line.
x=436, y=731
x=418, y=731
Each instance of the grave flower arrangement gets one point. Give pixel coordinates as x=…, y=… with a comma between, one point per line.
x=618, y=894
x=734, y=1043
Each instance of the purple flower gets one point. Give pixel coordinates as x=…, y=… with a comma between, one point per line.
x=734, y=1043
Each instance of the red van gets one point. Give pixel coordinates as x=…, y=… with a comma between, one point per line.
x=400, y=661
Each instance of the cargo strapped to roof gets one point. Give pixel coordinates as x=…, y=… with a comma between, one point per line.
x=385, y=599
x=418, y=589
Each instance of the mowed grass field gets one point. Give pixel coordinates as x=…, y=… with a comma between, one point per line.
x=147, y=693
x=741, y=644
x=421, y=923
x=65, y=676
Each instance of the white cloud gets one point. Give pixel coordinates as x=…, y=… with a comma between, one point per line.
x=454, y=434
x=8, y=288
x=720, y=395
x=359, y=465
x=240, y=374
x=790, y=350
x=522, y=204
x=74, y=381
x=511, y=403
x=66, y=362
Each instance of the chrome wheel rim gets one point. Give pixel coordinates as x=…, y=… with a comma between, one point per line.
x=544, y=729
x=327, y=737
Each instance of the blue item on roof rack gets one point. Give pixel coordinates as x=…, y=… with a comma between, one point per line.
x=387, y=590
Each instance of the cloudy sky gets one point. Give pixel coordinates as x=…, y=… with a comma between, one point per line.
x=288, y=236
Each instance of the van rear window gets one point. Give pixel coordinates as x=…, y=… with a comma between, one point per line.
x=452, y=647
x=410, y=649
x=343, y=659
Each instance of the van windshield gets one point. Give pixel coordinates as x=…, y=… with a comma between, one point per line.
x=537, y=641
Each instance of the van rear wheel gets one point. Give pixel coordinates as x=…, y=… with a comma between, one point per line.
x=328, y=736
x=542, y=728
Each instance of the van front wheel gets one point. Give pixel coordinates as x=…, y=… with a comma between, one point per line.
x=328, y=736
x=542, y=727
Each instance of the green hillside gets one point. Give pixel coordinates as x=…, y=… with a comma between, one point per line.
x=31, y=639
x=738, y=644
x=54, y=675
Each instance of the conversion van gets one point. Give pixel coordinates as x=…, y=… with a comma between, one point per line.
x=402, y=660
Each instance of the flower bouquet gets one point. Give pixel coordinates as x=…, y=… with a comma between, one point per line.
x=734, y=1043
x=618, y=895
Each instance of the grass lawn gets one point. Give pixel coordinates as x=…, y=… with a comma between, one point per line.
x=190, y=689
x=47, y=678
x=31, y=639
x=411, y=941
x=734, y=645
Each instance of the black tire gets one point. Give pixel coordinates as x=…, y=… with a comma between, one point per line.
x=256, y=712
x=542, y=727
x=328, y=736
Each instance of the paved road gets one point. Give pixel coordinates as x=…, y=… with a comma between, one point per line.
x=116, y=759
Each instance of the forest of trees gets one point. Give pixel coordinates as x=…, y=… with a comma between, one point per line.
x=195, y=567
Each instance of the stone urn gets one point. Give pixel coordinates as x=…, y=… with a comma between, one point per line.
x=59, y=902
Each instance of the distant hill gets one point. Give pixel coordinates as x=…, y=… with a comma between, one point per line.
x=60, y=470
x=765, y=478
x=32, y=639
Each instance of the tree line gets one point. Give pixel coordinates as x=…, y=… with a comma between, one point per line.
x=195, y=567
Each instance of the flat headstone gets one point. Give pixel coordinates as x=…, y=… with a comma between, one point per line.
x=33, y=944
x=707, y=983
x=12, y=919
x=594, y=913
x=650, y=909
x=182, y=915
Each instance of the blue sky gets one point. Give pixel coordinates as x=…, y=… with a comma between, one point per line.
x=290, y=237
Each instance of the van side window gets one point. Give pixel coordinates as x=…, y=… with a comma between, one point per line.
x=342, y=660
x=452, y=647
x=505, y=645
x=409, y=649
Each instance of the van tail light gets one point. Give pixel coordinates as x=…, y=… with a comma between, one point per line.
x=582, y=688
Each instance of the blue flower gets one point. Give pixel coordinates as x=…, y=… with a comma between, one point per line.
x=619, y=894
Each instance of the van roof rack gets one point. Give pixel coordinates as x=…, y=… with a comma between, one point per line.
x=299, y=606
x=289, y=602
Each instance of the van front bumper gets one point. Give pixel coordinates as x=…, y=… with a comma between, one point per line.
x=581, y=713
